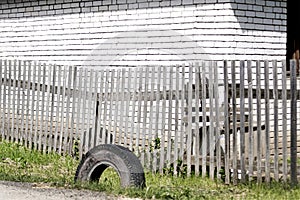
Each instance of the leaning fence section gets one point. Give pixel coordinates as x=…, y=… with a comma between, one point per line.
x=227, y=119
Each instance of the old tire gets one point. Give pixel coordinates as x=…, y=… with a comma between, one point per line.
x=126, y=164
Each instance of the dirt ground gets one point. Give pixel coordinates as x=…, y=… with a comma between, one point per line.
x=31, y=191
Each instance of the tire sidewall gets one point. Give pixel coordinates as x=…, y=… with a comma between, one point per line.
x=108, y=155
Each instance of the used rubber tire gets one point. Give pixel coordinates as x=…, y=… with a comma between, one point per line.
x=126, y=164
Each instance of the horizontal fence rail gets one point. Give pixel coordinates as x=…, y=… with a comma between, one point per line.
x=229, y=119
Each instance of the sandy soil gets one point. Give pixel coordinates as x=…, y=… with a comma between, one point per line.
x=31, y=191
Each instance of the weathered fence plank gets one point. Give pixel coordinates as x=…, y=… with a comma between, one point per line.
x=217, y=120
x=267, y=120
x=177, y=127
x=163, y=125
x=211, y=125
x=197, y=121
x=250, y=110
x=13, y=98
x=226, y=123
x=275, y=86
x=234, y=123
x=169, y=125
x=116, y=112
x=1, y=98
x=42, y=133
x=37, y=117
x=99, y=130
x=259, y=118
x=284, y=122
x=242, y=120
x=78, y=112
x=32, y=105
x=204, y=122
x=294, y=179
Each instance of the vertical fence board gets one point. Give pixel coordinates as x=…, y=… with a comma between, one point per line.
x=9, y=100
x=33, y=96
x=89, y=109
x=133, y=109
x=267, y=120
x=242, y=120
x=66, y=117
x=127, y=107
x=156, y=138
x=73, y=138
x=169, y=125
x=190, y=118
x=61, y=134
x=111, y=103
x=234, y=120
x=212, y=125
x=37, y=118
x=116, y=131
x=79, y=123
x=99, y=130
x=105, y=102
x=3, y=81
x=197, y=117
x=250, y=108
x=163, y=120
x=58, y=102
x=284, y=122
x=183, y=113
x=52, y=111
x=13, y=94
x=139, y=106
x=275, y=93
x=145, y=133
x=5, y=100
x=150, y=147
x=217, y=121
x=46, y=141
x=19, y=106
x=23, y=109
x=84, y=108
x=226, y=123
x=176, y=139
x=294, y=180
x=95, y=109
x=259, y=134
x=122, y=106
x=204, y=122
x=2, y=86
x=41, y=133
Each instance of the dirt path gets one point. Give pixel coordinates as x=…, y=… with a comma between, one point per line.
x=29, y=191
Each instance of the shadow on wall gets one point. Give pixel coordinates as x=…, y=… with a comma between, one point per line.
x=146, y=47
x=261, y=15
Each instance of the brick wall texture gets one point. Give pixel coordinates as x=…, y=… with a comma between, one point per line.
x=141, y=32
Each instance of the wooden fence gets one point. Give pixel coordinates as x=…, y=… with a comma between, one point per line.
x=231, y=118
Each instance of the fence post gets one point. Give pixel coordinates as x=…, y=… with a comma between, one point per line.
x=293, y=123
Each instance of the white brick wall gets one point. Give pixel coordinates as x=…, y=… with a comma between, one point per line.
x=142, y=32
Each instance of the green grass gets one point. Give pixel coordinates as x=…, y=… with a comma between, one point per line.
x=20, y=164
